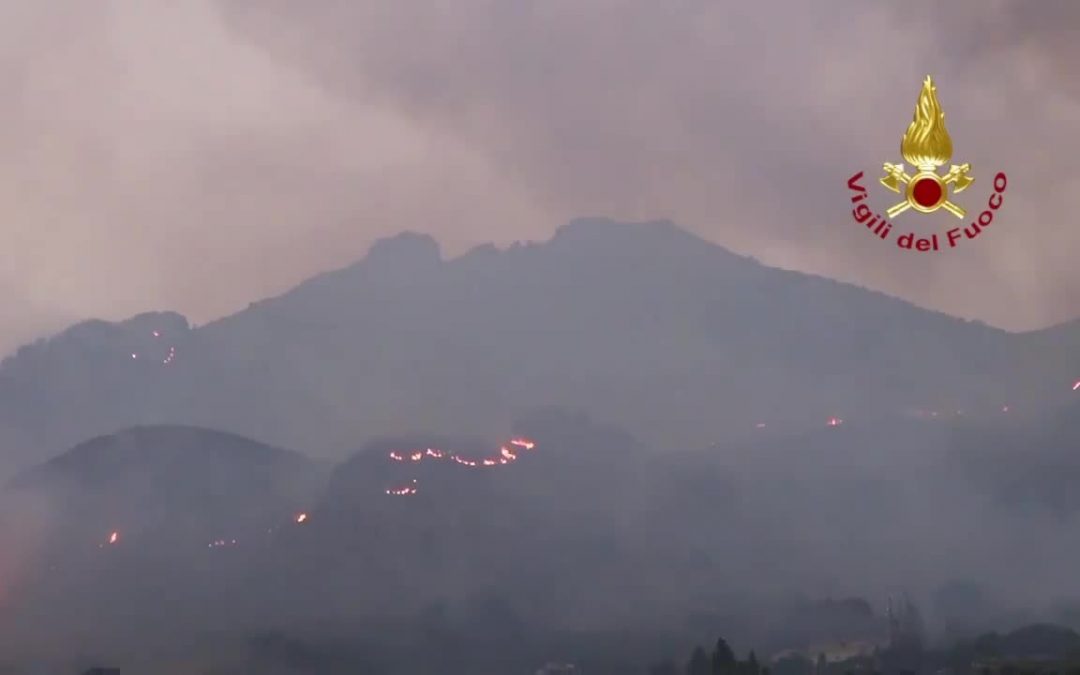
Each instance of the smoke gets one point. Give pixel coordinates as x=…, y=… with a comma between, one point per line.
x=638, y=111
x=26, y=519
x=159, y=156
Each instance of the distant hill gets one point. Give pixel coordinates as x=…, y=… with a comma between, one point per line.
x=194, y=473
x=160, y=521
x=644, y=325
x=588, y=529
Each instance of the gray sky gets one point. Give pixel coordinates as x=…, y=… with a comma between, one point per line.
x=199, y=155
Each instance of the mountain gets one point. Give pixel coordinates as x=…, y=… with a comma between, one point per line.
x=584, y=529
x=642, y=325
x=143, y=474
x=158, y=522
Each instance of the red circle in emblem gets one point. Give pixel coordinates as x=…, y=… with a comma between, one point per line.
x=926, y=193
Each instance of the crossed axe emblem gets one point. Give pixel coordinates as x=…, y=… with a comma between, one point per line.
x=895, y=177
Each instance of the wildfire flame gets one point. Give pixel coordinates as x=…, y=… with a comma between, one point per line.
x=1076, y=386
x=927, y=144
x=507, y=453
x=114, y=537
x=402, y=491
x=301, y=517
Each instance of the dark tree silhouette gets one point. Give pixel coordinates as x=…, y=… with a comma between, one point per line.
x=699, y=663
x=723, y=658
x=752, y=665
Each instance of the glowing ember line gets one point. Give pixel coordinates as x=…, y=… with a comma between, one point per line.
x=1076, y=386
x=407, y=490
x=505, y=456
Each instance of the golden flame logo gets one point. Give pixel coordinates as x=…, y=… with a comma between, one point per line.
x=927, y=144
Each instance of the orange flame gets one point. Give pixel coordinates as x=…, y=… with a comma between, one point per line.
x=505, y=456
x=402, y=491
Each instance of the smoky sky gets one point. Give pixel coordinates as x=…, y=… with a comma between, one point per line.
x=200, y=155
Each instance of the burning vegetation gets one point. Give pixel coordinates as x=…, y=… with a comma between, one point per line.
x=508, y=453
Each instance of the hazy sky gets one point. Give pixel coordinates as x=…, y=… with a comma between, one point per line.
x=199, y=155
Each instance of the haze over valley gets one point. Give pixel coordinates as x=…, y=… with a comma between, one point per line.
x=361, y=337
x=621, y=429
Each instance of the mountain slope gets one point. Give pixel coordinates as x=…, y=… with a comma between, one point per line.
x=162, y=523
x=193, y=483
x=586, y=529
x=643, y=325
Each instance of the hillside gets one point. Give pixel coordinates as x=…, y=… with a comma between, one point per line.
x=159, y=521
x=644, y=326
x=582, y=528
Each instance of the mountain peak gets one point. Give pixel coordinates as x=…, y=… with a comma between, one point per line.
x=407, y=248
x=104, y=457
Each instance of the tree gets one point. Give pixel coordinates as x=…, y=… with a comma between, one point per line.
x=822, y=666
x=723, y=658
x=699, y=663
x=752, y=666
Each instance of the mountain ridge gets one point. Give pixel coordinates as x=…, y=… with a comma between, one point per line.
x=643, y=325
